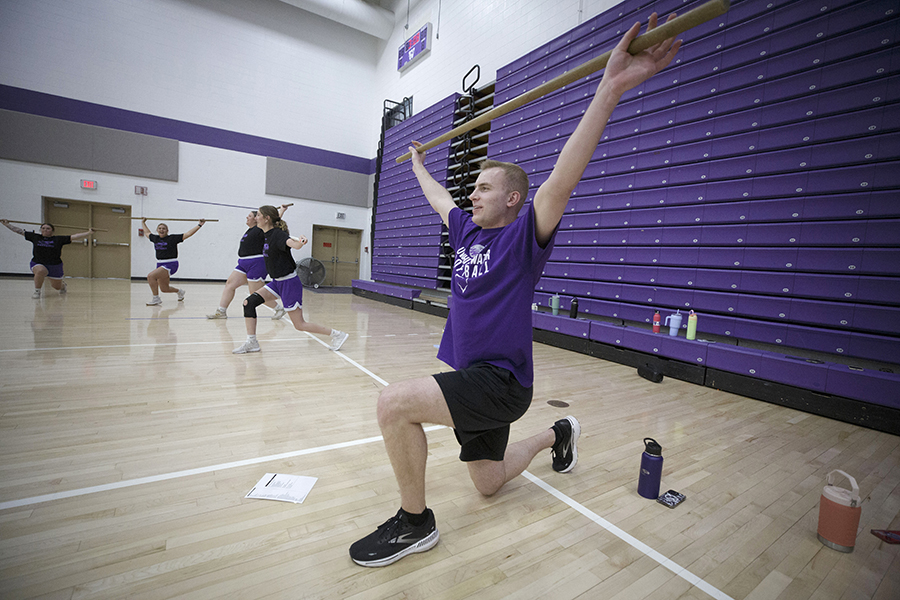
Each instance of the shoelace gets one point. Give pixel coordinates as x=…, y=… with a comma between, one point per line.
x=389, y=528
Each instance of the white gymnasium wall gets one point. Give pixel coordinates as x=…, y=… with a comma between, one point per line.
x=259, y=67
x=206, y=175
x=489, y=33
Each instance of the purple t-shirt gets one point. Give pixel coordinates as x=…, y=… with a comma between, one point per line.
x=492, y=287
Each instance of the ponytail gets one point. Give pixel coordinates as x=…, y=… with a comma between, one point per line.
x=272, y=214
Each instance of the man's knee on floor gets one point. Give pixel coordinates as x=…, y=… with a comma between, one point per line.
x=487, y=483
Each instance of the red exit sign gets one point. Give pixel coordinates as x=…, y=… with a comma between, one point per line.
x=87, y=184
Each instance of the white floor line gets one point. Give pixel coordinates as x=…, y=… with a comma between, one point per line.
x=189, y=472
x=627, y=538
x=352, y=362
x=630, y=540
x=295, y=339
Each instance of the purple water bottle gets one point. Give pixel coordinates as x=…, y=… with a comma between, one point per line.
x=651, y=469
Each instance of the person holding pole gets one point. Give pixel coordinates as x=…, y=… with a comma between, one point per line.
x=251, y=268
x=487, y=340
x=46, y=261
x=285, y=284
x=166, y=259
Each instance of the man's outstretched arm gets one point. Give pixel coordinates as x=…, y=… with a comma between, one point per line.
x=623, y=72
x=438, y=196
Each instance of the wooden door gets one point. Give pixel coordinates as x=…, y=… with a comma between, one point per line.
x=68, y=217
x=346, y=264
x=338, y=249
x=107, y=254
x=111, y=249
x=323, y=243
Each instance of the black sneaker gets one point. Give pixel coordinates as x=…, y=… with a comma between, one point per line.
x=565, y=450
x=393, y=540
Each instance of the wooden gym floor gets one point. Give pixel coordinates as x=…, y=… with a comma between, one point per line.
x=129, y=436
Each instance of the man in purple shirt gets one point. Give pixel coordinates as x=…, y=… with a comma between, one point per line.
x=500, y=255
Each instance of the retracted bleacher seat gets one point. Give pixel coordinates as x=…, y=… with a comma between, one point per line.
x=756, y=181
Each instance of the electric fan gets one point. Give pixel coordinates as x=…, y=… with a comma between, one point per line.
x=311, y=272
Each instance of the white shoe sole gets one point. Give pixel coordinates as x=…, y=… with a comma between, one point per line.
x=243, y=351
x=576, y=432
x=336, y=345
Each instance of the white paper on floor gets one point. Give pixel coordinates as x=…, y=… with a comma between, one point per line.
x=287, y=488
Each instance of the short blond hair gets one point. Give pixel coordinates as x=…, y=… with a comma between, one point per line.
x=514, y=176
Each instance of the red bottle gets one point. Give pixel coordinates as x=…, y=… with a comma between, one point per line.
x=656, y=322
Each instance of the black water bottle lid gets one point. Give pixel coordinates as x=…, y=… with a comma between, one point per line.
x=651, y=446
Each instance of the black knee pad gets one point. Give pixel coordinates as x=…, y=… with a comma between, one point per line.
x=250, y=304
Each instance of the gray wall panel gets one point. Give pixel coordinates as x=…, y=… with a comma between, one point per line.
x=136, y=154
x=46, y=141
x=60, y=143
x=312, y=182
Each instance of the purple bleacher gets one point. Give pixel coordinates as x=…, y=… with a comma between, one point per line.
x=562, y=324
x=734, y=359
x=756, y=181
x=873, y=346
x=793, y=370
x=386, y=289
x=868, y=385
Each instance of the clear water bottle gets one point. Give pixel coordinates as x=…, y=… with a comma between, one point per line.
x=651, y=469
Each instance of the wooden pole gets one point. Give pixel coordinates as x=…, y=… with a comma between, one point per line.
x=154, y=219
x=679, y=24
x=61, y=226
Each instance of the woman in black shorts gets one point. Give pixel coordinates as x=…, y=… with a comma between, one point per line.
x=166, y=259
x=250, y=269
x=285, y=284
x=46, y=259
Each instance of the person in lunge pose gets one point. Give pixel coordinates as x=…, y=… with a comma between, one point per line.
x=487, y=340
x=284, y=285
x=250, y=270
x=166, y=246
x=46, y=261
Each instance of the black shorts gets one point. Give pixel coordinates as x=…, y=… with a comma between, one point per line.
x=483, y=401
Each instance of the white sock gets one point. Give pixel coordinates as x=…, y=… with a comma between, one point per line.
x=251, y=338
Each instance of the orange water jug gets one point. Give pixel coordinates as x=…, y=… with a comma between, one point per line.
x=839, y=512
